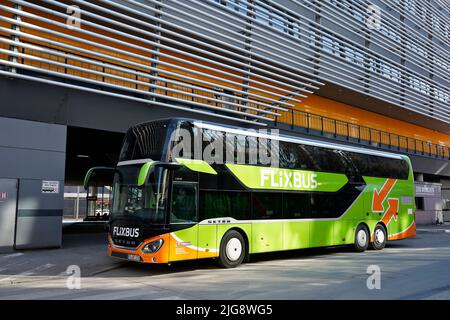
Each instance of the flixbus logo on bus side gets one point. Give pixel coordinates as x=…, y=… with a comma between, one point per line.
x=287, y=179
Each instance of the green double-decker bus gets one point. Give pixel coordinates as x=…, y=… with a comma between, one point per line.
x=169, y=206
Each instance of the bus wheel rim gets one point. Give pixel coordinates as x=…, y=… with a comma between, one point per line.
x=362, y=238
x=379, y=236
x=233, y=249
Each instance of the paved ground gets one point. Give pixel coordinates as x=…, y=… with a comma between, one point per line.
x=411, y=269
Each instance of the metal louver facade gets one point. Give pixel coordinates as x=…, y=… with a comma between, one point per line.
x=248, y=60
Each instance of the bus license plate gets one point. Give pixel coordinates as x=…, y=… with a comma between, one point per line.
x=134, y=257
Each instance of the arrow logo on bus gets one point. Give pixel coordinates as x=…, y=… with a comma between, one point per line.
x=379, y=197
x=392, y=211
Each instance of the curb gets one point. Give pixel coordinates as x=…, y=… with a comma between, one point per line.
x=107, y=269
x=434, y=230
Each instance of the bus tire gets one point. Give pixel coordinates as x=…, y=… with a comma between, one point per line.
x=379, y=237
x=362, y=238
x=232, y=249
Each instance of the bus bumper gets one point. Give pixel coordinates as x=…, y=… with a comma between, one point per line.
x=138, y=255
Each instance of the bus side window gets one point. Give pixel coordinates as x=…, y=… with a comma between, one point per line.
x=296, y=205
x=220, y=204
x=184, y=202
x=267, y=205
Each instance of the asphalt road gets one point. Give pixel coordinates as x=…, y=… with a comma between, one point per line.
x=416, y=268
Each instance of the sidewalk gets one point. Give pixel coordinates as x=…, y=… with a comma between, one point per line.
x=445, y=228
x=84, y=250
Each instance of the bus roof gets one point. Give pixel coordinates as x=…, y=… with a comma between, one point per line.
x=282, y=137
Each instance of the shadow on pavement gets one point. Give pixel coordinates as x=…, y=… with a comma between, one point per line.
x=139, y=269
x=88, y=250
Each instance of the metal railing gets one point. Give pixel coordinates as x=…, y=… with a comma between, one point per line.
x=297, y=120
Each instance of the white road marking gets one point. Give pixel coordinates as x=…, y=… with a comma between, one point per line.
x=6, y=266
x=317, y=284
x=47, y=294
x=397, y=250
x=14, y=255
x=169, y=298
x=119, y=294
x=336, y=281
x=29, y=272
x=37, y=269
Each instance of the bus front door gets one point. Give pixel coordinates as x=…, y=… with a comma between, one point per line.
x=184, y=221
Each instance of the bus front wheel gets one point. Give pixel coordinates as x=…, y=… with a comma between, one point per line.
x=232, y=249
x=362, y=238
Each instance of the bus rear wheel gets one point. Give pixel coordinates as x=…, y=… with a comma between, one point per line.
x=362, y=238
x=379, y=237
x=232, y=249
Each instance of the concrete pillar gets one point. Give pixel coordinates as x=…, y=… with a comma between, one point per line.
x=34, y=153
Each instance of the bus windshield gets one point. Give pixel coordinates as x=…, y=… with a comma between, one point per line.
x=139, y=204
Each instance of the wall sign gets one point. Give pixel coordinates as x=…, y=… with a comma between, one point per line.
x=50, y=187
x=426, y=189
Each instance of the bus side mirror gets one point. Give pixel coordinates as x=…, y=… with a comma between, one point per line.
x=99, y=176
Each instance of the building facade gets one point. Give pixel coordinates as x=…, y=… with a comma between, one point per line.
x=373, y=73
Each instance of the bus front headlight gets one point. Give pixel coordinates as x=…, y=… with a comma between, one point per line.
x=153, y=246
